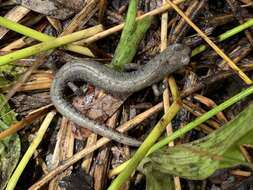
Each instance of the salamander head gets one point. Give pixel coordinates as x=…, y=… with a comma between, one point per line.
x=181, y=53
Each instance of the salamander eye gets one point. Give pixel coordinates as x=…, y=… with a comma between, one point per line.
x=178, y=47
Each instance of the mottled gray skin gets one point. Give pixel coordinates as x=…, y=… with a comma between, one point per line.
x=170, y=60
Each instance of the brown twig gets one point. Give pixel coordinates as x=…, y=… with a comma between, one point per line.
x=197, y=111
x=82, y=17
x=182, y=27
x=211, y=104
x=63, y=150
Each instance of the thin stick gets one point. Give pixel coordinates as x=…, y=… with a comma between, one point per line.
x=82, y=17
x=246, y=79
x=166, y=94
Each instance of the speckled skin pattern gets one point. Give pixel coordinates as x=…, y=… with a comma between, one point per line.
x=114, y=82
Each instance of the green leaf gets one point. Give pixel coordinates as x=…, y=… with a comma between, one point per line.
x=201, y=158
x=158, y=181
x=9, y=147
